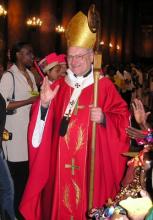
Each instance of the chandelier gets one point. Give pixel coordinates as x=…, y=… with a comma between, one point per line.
x=60, y=29
x=2, y=11
x=118, y=47
x=34, y=22
x=102, y=42
x=110, y=45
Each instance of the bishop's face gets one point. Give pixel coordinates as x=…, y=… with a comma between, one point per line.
x=79, y=60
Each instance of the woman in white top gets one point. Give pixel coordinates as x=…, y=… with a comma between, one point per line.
x=20, y=81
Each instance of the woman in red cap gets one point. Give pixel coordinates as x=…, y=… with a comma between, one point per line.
x=50, y=66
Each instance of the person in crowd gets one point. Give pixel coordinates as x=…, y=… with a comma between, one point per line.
x=60, y=135
x=137, y=77
x=63, y=64
x=8, y=59
x=136, y=194
x=128, y=84
x=144, y=135
x=1, y=70
x=6, y=182
x=123, y=81
x=150, y=104
x=119, y=78
x=17, y=86
x=110, y=73
x=38, y=78
x=51, y=67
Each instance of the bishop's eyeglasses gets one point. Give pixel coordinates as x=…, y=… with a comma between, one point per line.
x=78, y=57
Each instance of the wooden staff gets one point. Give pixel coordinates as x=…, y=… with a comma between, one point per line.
x=95, y=26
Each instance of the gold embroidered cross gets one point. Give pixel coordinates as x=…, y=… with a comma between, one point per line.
x=72, y=166
x=78, y=107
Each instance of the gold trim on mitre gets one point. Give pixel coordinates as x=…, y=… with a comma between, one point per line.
x=78, y=33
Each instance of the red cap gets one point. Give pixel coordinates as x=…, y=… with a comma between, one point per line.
x=49, y=62
x=62, y=59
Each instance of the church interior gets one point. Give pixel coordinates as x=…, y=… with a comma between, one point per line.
x=76, y=138
x=127, y=28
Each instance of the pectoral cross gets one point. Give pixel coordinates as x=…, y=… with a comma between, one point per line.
x=72, y=218
x=78, y=107
x=77, y=85
x=72, y=166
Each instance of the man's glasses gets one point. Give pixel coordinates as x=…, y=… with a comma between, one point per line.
x=78, y=57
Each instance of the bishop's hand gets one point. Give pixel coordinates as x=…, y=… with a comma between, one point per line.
x=47, y=94
x=96, y=115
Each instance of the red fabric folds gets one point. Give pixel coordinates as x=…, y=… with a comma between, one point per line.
x=42, y=194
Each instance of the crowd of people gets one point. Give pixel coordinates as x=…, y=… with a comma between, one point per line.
x=19, y=90
x=45, y=166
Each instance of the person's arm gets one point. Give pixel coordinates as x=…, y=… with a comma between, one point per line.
x=2, y=115
x=46, y=93
x=43, y=113
x=17, y=104
x=7, y=92
x=46, y=96
x=39, y=127
x=135, y=133
x=140, y=114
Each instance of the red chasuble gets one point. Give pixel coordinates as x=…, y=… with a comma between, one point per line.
x=58, y=184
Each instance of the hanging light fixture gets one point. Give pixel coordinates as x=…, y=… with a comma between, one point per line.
x=102, y=42
x=118, y=47
x=3, y=12
x=60, y=29
x=34, y=22
x=110, y=45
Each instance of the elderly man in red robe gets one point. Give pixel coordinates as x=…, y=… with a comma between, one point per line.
x=60, y=137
